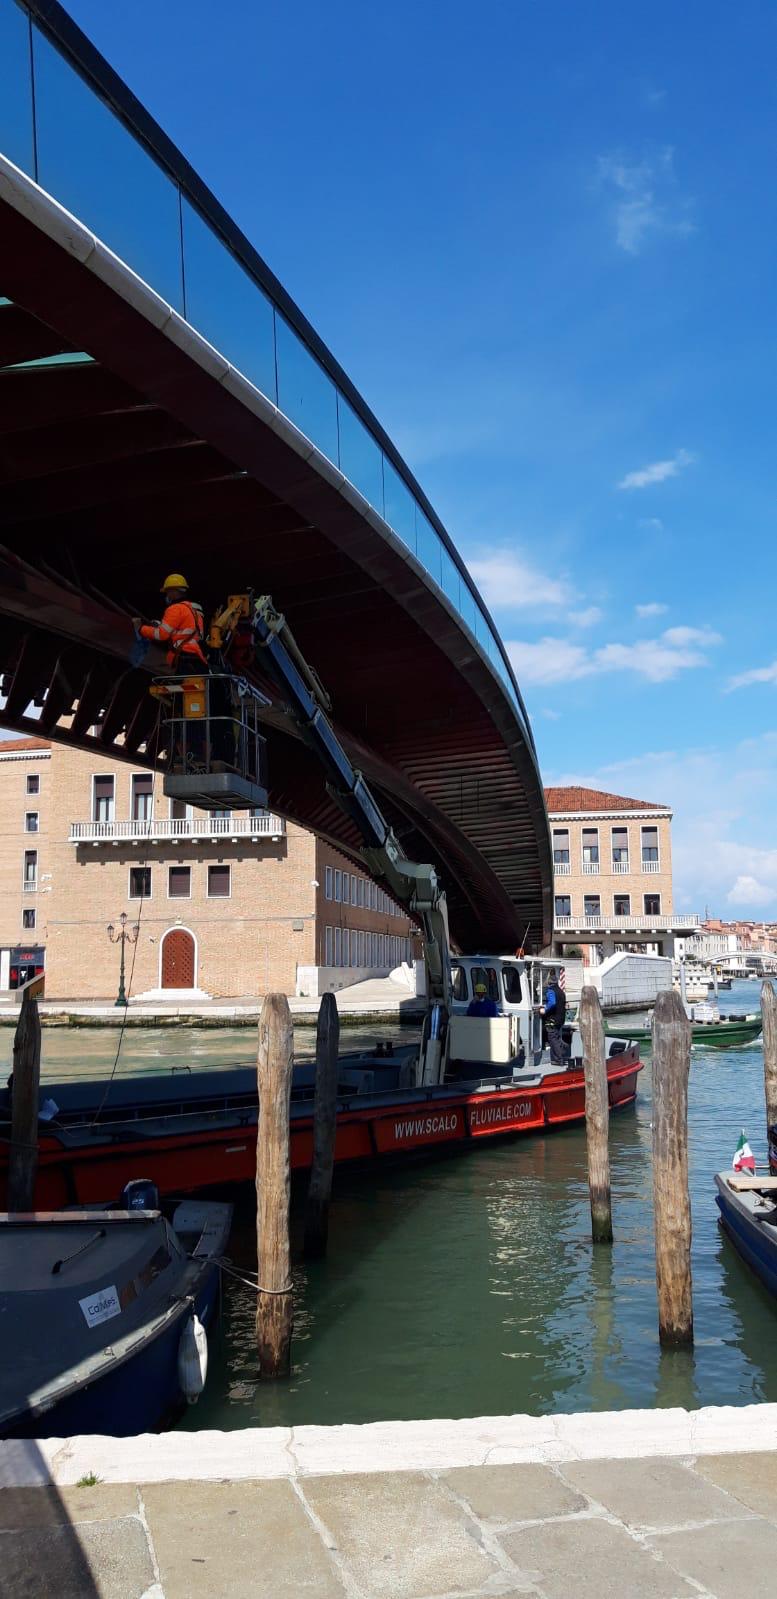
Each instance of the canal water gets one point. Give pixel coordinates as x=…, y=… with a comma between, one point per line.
x=468, y=1285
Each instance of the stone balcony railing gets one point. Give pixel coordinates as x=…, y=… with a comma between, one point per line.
x=210, y=828
x=659, y=921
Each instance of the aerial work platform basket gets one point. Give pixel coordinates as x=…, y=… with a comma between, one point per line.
x=216, y=756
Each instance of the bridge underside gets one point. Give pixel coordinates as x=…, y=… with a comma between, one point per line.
x=123, y=458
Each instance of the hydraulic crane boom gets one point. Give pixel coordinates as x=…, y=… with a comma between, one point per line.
x=415, y=886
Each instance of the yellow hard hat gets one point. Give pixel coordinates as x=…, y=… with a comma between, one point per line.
x=175, y=580
x=481, y=988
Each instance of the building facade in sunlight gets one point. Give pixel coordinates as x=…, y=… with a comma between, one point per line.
x=226, y=904
x=612, y=870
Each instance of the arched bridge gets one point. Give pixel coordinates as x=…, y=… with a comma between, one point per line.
x=164, y=405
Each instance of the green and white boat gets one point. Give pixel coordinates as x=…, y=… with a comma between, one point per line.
x=716, y=1032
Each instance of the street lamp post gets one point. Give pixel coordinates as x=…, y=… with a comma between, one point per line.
x=123, y=934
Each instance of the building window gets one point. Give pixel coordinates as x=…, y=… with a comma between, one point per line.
x=33, y=783
x=592, y=905
x=354, y=891
x=620, y=846
x=103, y=799
x=346, y=947
x=361, y=892
x=219, y=882
x=31, y=868
x=649, y=845
x=373, y=896
x=328, y=884
x=142, y=796
x=28, y=919
x=338, y=946
x=590, y=846
x=338, y=886
x=346, y=891
x=652, y=904
x=563, y=905
x=179, y=882
x=140, y=882
x=31, y=822
x=621, y=904
x=561, y=846
x=328, y=944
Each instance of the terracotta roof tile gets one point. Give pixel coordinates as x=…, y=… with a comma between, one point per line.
x=7, y=745
x=595, y=799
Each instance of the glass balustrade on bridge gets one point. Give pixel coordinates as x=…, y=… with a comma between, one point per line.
x=57, y=128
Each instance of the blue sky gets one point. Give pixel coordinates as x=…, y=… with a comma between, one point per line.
x=541, y=240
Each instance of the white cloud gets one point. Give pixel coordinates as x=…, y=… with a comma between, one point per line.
x=657, y=471
x=644, y=199
x=653, y=608
x=587, y=618
x=548, y=660
x=758, y=674
x=558, y=660
x=748, y=891
x=654, y=523
x=507, y=581
x=549, y=715
x=655, y=97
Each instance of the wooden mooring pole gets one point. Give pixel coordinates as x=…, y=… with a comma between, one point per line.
x=769, y=1018
x=324, y=1124
x=23, y=1158
x=597, y=1115
x=274, y=1304
x=671, y=1199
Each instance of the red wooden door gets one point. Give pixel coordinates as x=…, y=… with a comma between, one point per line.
x=178, y=959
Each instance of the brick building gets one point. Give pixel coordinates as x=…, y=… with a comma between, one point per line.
x=612, y=869
x=227, y=903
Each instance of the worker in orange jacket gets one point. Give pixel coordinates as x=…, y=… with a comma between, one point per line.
x=182, y=627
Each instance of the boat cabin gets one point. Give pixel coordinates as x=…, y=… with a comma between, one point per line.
x=513, y=1041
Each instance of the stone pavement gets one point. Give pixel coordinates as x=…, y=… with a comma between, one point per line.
x=653, y=1528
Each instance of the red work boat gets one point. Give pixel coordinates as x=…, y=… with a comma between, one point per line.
x=188, y=1131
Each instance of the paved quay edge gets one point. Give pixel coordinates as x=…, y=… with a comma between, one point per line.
x=285, y=1452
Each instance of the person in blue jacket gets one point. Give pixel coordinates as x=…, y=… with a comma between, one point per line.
x=482, y=1005
x=554, y=1012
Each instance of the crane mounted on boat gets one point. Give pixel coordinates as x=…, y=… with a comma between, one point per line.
x=205, y=714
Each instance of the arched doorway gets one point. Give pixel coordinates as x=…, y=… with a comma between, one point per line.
x=178, y=959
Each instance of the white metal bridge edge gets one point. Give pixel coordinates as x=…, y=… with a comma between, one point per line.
x=276, y=1452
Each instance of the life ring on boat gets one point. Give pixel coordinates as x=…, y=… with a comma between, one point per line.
x=192, y=1358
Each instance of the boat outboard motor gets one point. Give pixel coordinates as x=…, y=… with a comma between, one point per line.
x=139, y=1194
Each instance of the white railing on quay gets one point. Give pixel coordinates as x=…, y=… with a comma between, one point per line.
x=201, y=827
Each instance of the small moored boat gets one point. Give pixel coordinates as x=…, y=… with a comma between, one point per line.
x=723, y=1033
x=748, y=1214
x=104, y=1313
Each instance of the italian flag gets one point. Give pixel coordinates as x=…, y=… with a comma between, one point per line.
x=744, y=1159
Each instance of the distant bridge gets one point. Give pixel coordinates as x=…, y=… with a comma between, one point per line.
x=164, y=405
